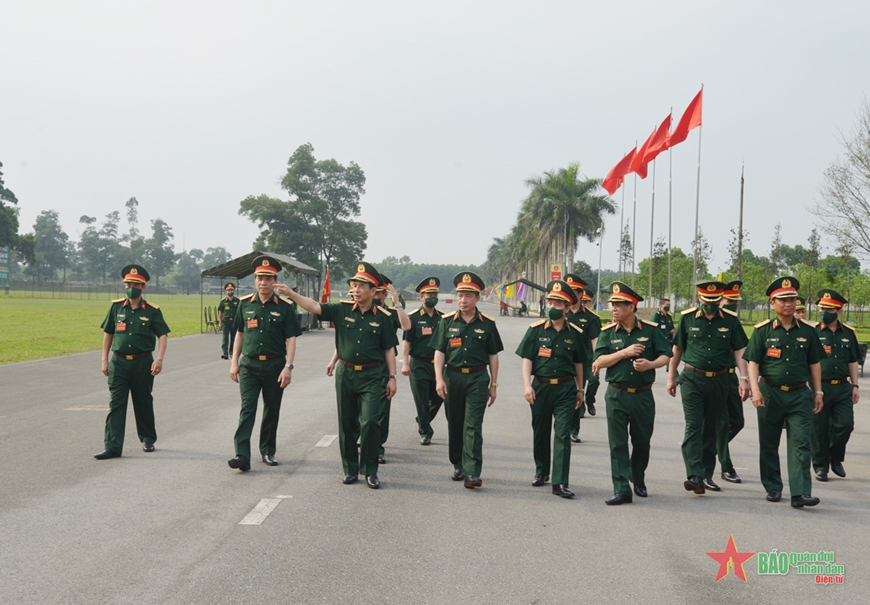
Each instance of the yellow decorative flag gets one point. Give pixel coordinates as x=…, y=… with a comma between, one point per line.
x=509, y=291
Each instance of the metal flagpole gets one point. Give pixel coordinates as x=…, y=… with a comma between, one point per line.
x=621, y=228
x=651, y=236
x=697, y=205
x=670, y=217
x=634, y=229
x=600, y=248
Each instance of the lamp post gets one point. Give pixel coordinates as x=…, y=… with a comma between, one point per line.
x=600, y=249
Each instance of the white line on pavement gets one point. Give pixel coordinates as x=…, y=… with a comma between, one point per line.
x=260, y=512
x=88, y=408
x=326, y=441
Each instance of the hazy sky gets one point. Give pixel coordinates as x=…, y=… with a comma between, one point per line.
x=447, y=106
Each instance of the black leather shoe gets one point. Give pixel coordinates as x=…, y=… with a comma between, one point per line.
x=802, y=501
x=224, y=357
x=349, y=479
x=426, y=441
x=270, y=460
x=381, y=459
x=458, y=474
x=821, y=476
x=731, y=477
x=837, y=468
x=372, y=481
x=471, y=482
x=694, y=484
x=106, y=454
x=710, y=485
x=538, y=481
x=575, y=438
x=618, y=499
x=591, y=408
x=240, y=462
x=147, y=447
x=774, y=495
x=561, y=489
x=640, y=490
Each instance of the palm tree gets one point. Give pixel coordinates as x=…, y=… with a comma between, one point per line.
x=563, y=206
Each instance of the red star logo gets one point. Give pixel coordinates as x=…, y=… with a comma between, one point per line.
x=731, y=559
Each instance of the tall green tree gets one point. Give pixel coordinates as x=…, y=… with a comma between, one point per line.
x=215, y=256
x=187, y=271
x=52, y=246
x=135, y=249
x=160, y=250
x=23, y=246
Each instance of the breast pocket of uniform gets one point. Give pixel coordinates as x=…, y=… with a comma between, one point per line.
x=372, y=334
x=273, y=321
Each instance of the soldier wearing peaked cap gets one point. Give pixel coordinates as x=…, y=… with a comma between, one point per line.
x=365, y=377
x=466, y=344
x=833, y=425
x=418, y=358
x=800, y=309
x=731, y=421
x=590, y=324
x=263, y=354
x=631, y=350
x=130, y=330
x=592, y=379
x=553, y=351
x=784, y=356
x=663, y=318
x=710, y=340
x=226, y=316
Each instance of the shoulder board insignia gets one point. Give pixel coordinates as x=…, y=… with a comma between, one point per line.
x=608, y=326
x=575, y=326
x=453, y=315
x=762, y=323
x=487, y=316
x=118, y=300
x=285, y=299
x=593, y=313
x=687, y=311
x=439, y=312
x=649, y=323
x=248, y=297
x=728, y=311
x=539, y=323
x=810, y=323
x=153, y=306
x=384, y=310
x=848, y=327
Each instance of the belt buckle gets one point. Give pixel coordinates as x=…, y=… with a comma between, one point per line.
x=129, y=357
x=631, y=389
x=465, y=370
x=261, y=357
x=730, y=370
x=709, y=374
x=784, y=387
x=836, y=381
x=357, y=368
x=554, y=381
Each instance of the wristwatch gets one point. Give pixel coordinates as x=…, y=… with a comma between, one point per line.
x=822, y=393
x=392, y=378
x=289, y=366
x=494, y=384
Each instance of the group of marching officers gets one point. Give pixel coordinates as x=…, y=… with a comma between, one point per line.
x=800, y=375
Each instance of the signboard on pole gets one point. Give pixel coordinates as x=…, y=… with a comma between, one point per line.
x=555, y=272
x=4, y=266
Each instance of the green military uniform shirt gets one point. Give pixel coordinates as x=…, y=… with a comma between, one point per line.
x=227, y=308
x=266, y=325
x=422, y=329
x=467, y=344
x=590, y=323
x=784, y=356
x=665, y=322
x=614, y=338
x=840, y=348
x=360, y=338
x=553, y=353
x=135, y=330
x=709, y=344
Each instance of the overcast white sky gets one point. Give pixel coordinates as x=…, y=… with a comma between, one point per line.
x=447, y=106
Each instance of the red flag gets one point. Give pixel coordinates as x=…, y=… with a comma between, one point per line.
x=327, y=290
x=615, y=177
x=638, y=164
x=660, y=142
x=691, y=119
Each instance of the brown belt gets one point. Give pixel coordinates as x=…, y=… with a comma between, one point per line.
x=835, y=381
x=468, y=370
x=359, y=368
x=623, y=387
x=132, y=357
x=559, y=380
x=785, y=387
x=424, y=359
x=711, y=373
x=263, y=357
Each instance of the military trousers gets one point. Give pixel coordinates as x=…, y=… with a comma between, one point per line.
x=426, y=398
x=629, y=415
x=795, y=408
x=592, y=383
x=579, y=413
x=731, y=422
x=129, y=379
x=704, y=399
x=229, y=337
x=832, y=426
x=552, y=413
x=257, y=376
x=360, y=398
x=465, y=404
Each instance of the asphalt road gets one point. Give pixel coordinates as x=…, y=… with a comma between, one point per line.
x=165, y=527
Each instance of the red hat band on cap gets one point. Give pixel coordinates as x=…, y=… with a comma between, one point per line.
x=134, y=277
x=559, y=295
x=783, y=293
x=624, y=297
x=366, y=277
x=266, y=270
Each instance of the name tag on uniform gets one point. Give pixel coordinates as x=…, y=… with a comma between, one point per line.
x=545, y=352
x=455, y=342
x=776, y=353
x=427, y=331
x=252, y=323
x=828, y=349
x=121, y=327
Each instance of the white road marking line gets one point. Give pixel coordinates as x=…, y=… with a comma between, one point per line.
x=88, y=408
x=259, y=513
x=283, y=497
x=326, y=441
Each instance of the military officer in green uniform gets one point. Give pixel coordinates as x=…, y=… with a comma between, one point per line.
x=631, y=350
x=263, y=353
x=783, y=356
x=130, y=331
x=833, y=425
x=418, y=358
x=553, y=351
x=590, y=324
x=227, y=316
x=710, y=340
x=664, y=320
x=592, y=379
x=800, y=309
x=466, y=343
x=731, y=420
x=366, y=373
